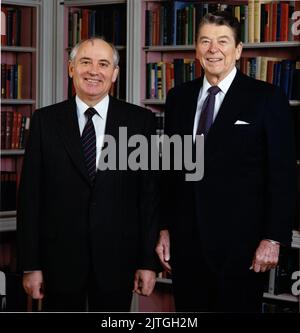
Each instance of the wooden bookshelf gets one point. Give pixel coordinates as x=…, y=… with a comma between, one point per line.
x=82, y=19
x=19, y=98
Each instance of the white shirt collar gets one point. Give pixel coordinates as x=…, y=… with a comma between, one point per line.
x=101, y=107
x=224, y=84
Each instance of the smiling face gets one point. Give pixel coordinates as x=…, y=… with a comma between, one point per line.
x=217, y=51
x=93, y=71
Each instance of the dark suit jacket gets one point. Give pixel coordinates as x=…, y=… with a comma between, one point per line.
x=66, y=226
x=249, y=186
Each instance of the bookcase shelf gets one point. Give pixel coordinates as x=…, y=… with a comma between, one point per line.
x=118, y=47
x=264, y=45
x=8, y=224
x=282, y=297
x=153, y=101
x=92, y=2
x=18, y=49
x=12, y=152
x=163, y=102
x=9, y=213
x=18, y=101
x=164, y=280
x=294, y=103
x=188, y=48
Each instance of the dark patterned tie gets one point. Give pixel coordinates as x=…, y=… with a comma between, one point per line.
x=88, y=141
x=207, y=111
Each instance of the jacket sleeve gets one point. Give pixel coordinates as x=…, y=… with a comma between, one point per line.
x=29, y=196
x=281, y=168
x=149, y=199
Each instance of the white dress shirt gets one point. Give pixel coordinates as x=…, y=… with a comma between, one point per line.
x=224, y=86
x=99, y=120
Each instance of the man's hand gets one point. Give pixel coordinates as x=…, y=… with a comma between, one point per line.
x=144, y=282
x=33, y=284
x=266, y=256
x=163, y=249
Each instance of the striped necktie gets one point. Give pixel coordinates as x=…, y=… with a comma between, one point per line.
x=88, y=141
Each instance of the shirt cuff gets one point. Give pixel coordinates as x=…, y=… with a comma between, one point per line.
x=272, y=241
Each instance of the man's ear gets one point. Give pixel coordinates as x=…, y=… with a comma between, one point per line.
x=239, y=50
x=115, y=74
x=71, y=69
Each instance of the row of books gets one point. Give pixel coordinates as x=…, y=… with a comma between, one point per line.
x=11, y=81
x=8, y=190
x=176, y=22
x=109, y=22
x=283, y=73
x=12, y=25
x=162, y=76
x=14, y=129
x=16, y=26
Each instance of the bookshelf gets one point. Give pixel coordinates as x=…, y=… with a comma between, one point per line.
x=83, y=19
x=159, y=47
x=21, y=85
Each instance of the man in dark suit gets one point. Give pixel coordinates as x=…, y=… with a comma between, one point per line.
x=85, y=234
x=222, y=233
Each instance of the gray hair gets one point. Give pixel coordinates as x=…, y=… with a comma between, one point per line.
x=75, y=48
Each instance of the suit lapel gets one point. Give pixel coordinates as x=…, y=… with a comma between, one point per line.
x=68, y=129
x=191, y=106
x=229, y=110
x=116, y=117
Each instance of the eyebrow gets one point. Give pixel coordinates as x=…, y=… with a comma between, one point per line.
x=87, y=58
x=224, y=36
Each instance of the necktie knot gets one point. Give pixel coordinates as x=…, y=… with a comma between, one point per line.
x=90, y=112
x=214, y=90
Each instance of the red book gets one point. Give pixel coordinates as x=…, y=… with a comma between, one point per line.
x=284, y=22
x=274, y=22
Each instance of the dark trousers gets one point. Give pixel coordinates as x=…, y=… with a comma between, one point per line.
x=208, y=294
x=91, y=300
x=198, y=288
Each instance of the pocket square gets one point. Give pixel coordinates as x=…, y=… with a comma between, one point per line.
x=241, y=122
